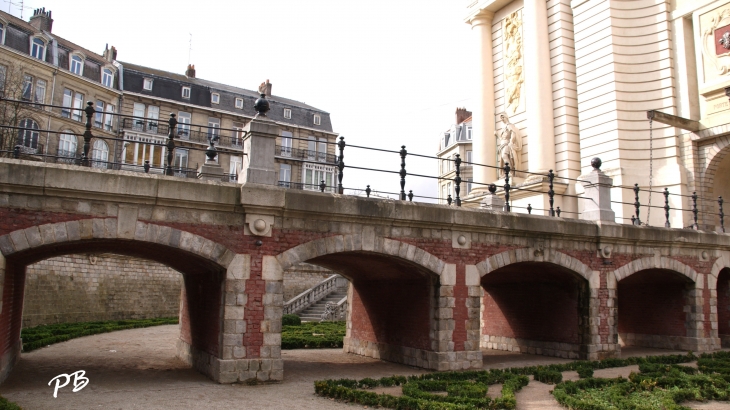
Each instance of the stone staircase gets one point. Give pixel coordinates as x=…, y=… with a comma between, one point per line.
x=314, y=312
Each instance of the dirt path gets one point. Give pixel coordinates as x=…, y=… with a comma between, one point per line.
x=137, y=369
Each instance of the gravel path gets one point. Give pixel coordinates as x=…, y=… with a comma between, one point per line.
x=137, y=369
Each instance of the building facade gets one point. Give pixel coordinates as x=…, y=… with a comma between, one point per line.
x=577, y=79
x=455, y=141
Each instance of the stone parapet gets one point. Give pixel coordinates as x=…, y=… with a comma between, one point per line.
x=440, y=361
x=695, y=344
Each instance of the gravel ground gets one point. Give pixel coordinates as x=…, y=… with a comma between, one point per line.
x=137, y=369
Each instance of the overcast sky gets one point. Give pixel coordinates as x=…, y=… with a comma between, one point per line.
x=389, y=72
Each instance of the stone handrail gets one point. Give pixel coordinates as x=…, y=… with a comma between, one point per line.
x=335, y=311
x=314, y=294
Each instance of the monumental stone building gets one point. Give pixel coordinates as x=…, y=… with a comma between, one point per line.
x=577, y=78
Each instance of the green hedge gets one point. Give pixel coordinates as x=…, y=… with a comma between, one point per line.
x=313, y=335
x=5, y=404
x=465, y=390
x=291, y=320
x=44, y=335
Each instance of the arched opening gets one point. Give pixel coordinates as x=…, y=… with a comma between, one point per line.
x=723, y=306
x=535, y=307
x=391, y=306
x=200, y=307
x=654, y=310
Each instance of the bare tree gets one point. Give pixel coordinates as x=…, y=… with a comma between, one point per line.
x=18, y=91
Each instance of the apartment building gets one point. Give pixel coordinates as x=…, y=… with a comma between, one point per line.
x=457, y=139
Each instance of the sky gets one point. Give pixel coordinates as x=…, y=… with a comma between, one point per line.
x=389, y=72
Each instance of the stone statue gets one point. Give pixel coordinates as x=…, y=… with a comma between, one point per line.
x=509, y=145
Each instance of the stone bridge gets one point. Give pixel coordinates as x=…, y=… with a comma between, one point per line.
x=432, y=285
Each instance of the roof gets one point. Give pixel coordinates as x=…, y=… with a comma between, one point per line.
x=215, y=85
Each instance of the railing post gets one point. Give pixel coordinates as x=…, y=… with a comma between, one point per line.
x=172, y=127
x=368, y=191
x=402, y=172
x=551, y=192
x=322, y=186
x=146, y=166
x=341, y=164
x=506, y=187
x=722, y=215
x=89, y=110
x=558, y=212
x=695, y=226
x=636, y=221
x=529, y=209
x=666, y=208
x=457, y=180
x=410, y=196
x=448, y=199
x=16, y=152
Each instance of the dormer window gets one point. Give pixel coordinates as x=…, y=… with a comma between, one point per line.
x=468, y=133
x=287, y=113
x=239, y=102
x=186, y=92
x=215, y=98
x=107, y=77
x=317, y=120
x=38, y=49
x=77, y=65
x=2, y=33
x=147, y=84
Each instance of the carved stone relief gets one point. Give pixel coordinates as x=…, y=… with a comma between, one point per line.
x=716, y=42
x=513, y=63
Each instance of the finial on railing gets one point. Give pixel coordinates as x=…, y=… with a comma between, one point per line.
x=551, y=192
x=529, y=209
x=448, y=199
x=368, y=191
x=596, y=163
x=402, y=172
x=261, y=105
x=636, y=221
x=506, y=187
x=492, y=188
x=666, y=208
x=410, y=195
x=558, y=212
x=457, y=180
x=695, y=226
x=322, y=186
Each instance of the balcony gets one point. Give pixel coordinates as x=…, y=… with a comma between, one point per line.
x=304, y=154
x=185, y=132
x=303, y=186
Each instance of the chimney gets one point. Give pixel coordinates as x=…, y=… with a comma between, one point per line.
x=110, y=55
x=42, y=20
x=190, y=72
x=462, y=114
x=268, y=88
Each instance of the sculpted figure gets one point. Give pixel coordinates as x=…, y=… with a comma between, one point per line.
x=509, y=145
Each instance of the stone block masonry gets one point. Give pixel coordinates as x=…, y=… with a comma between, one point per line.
x=95, y=287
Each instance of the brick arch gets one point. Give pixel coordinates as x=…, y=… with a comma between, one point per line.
x=715, y=153
x=60, y=233
x=720, y=264
x=505, y=258
x=362, y=243
x=656, y=263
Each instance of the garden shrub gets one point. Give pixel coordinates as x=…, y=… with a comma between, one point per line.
x=548, y=376
x=585, y=372
x=5, y=404
x=291, y=320
x=313, y=335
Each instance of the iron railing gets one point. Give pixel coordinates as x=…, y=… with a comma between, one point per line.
x=185, y=132
x=305, y=154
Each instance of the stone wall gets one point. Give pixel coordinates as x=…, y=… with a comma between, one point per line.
x=81, y=288
x=301, y=277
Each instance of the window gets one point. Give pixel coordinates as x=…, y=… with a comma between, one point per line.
x=468, y=184
x=186, y=92
x=317, y=119
x=448, y=189
x=138, y=113
x=311, y=148
x=67, y=101
x=38, y=49
x=239, y=102
x=27, y=88
x=181, y=160
x=285, y=175
x=287, y=113
x=2, y=33
x=215, y=98
x=314, y=174
x=67, y=146
x=28, y=135
x=235, y=165
x=153, y=114
x=183, y=124
x=286, y=141
x=447, y=136
x=99, y=116
x=79, y=104
x=138, y=150
x=109, y=117
x=147, y=84
x=77, y=65
x=107, y=77
x=443, y=193
x=237, y=136
x=40, y=91
x=468, y=157
x=214, y=126
x=468, y=133
x=322, y=150
x=99, y=154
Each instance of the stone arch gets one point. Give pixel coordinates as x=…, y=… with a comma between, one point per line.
x=720, y=264
x=652, y=262
x=713, y=154
x=505, y=258
x=363, y=243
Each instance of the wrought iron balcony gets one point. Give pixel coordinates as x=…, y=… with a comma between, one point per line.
x=305, y=154
x=185, y=132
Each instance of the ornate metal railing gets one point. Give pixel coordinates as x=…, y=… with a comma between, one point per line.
x=304, y=154
x=314, y=294
x=185, y=132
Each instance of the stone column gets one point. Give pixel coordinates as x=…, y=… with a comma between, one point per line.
x=538, y=87
x=484, y=148
x=259, y=144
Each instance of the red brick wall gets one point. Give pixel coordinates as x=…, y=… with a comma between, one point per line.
x=533, y=302
x=723, y=302
x=11, y=318
x=12, y=219
x=652, y=302
x=200, y=319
